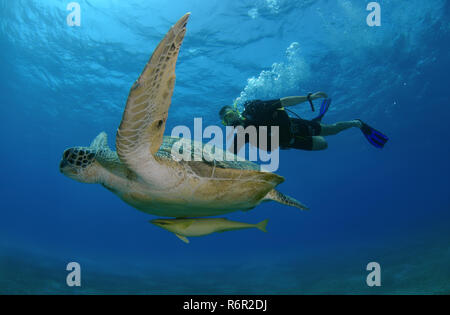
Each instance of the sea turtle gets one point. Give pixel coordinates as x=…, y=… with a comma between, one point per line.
x=144, y=172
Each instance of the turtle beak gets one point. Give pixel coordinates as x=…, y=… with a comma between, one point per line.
x=62, y=165
x=65, y=167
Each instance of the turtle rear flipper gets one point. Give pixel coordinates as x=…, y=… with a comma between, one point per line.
x=277, y=196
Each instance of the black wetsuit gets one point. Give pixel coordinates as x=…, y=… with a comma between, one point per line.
x=294, y=132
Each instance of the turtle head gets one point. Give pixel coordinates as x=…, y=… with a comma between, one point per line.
x=79, y=164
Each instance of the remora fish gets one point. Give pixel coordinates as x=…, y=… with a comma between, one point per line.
x=184, y=228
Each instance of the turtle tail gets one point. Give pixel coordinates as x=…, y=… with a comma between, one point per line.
x=275, y=195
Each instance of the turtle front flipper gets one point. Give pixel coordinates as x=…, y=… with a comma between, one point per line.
x=141, y=131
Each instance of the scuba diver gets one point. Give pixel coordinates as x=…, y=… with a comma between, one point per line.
x=294, y=133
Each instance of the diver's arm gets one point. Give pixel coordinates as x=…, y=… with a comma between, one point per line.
x=294, y=100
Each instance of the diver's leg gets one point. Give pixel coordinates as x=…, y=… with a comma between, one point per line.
x=315, y=143
x=334, y=129
x=305, y=135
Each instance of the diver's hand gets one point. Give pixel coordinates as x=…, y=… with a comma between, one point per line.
x=319, y=95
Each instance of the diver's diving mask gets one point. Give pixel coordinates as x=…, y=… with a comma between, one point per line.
x=232, y=116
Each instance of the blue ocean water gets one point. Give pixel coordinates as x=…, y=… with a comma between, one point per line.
x=61, y=86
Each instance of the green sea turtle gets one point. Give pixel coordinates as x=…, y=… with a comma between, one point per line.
x=143, y=172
